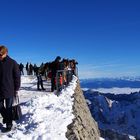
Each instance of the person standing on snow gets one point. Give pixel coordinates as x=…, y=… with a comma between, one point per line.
x=9, y=85
x=21, y=67
x=39, y=80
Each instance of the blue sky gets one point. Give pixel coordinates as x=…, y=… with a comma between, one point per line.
x=102, y=35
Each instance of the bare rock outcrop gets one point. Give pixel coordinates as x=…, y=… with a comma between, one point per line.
x=83, y=126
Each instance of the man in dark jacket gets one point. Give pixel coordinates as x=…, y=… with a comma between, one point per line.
x=54, y=67
x=9, y=85
x=39, y=79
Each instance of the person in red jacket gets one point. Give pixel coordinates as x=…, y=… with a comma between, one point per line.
x=9, y=85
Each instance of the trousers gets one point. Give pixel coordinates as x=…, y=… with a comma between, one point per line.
x=6, y=109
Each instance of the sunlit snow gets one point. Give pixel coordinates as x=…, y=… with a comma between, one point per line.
x=45, y=115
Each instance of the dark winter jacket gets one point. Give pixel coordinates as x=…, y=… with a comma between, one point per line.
x=9, y=77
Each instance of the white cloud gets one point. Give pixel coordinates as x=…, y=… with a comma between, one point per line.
x=107, y=70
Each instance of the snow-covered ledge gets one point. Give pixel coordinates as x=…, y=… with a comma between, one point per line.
x=46, y=116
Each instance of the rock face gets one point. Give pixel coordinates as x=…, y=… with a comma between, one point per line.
x=83, y=126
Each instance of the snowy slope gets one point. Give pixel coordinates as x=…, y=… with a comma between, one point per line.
x=45, y=115
x=116, y=112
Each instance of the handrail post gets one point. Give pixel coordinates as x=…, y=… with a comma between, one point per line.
x=63, y=79
x=57, y=81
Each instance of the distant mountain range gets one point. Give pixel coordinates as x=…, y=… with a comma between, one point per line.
x=132, y=82
x=117, y=115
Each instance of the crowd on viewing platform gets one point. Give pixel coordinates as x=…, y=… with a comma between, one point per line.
x=60, y=72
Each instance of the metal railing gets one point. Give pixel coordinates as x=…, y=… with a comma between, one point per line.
x=64, y=77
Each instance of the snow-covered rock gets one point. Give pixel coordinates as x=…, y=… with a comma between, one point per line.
x=119, y=113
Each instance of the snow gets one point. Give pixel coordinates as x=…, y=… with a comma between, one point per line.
x=120, y=115
x=102, y=138
x=45, y=115
x=132, y=138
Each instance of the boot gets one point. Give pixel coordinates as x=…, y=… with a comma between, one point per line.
x=3, y=121
x=8, y=127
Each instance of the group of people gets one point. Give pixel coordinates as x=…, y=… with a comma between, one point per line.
x=59, y=71
x=33, y=70
x=30, y=68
